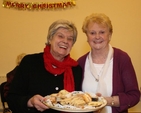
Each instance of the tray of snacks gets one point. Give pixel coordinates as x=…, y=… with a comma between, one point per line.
x=76, y=101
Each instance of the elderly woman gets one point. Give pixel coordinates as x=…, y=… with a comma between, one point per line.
x=108, y=71
x=45, y=73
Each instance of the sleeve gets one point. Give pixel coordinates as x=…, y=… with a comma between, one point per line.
x=128, y=91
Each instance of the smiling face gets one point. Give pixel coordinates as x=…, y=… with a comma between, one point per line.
x=61, y=43
x=98, y=36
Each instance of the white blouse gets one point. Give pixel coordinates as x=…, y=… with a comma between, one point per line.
x=90, y=85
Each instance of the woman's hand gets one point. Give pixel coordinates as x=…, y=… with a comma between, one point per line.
x=98, y=94
x=111, y=101
x=36, y=101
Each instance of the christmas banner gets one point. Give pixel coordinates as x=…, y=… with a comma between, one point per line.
x=38, y=5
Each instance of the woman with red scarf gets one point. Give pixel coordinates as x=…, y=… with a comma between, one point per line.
x=45, y=73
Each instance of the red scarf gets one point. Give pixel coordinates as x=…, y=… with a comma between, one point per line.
x=61, y=67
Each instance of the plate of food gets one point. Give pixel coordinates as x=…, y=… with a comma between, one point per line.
x=76, y=101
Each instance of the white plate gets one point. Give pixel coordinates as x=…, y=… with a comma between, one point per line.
x=79, y=110
x=69, y=108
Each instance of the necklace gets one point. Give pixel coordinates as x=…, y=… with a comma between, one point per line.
x=93, y=69
x=99, y=69
x=105, y=66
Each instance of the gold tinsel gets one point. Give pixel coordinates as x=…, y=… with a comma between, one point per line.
x=38, y=5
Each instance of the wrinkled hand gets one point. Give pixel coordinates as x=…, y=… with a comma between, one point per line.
x=98, y=94
x=36, y=101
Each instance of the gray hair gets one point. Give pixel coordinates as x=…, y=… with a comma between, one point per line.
x=61, y=24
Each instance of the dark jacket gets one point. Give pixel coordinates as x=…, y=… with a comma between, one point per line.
x=124, y=80
x=32, y=78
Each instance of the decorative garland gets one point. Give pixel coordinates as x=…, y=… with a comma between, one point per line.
x=38, y=6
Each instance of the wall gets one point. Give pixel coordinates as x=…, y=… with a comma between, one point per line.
x=25, y=31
